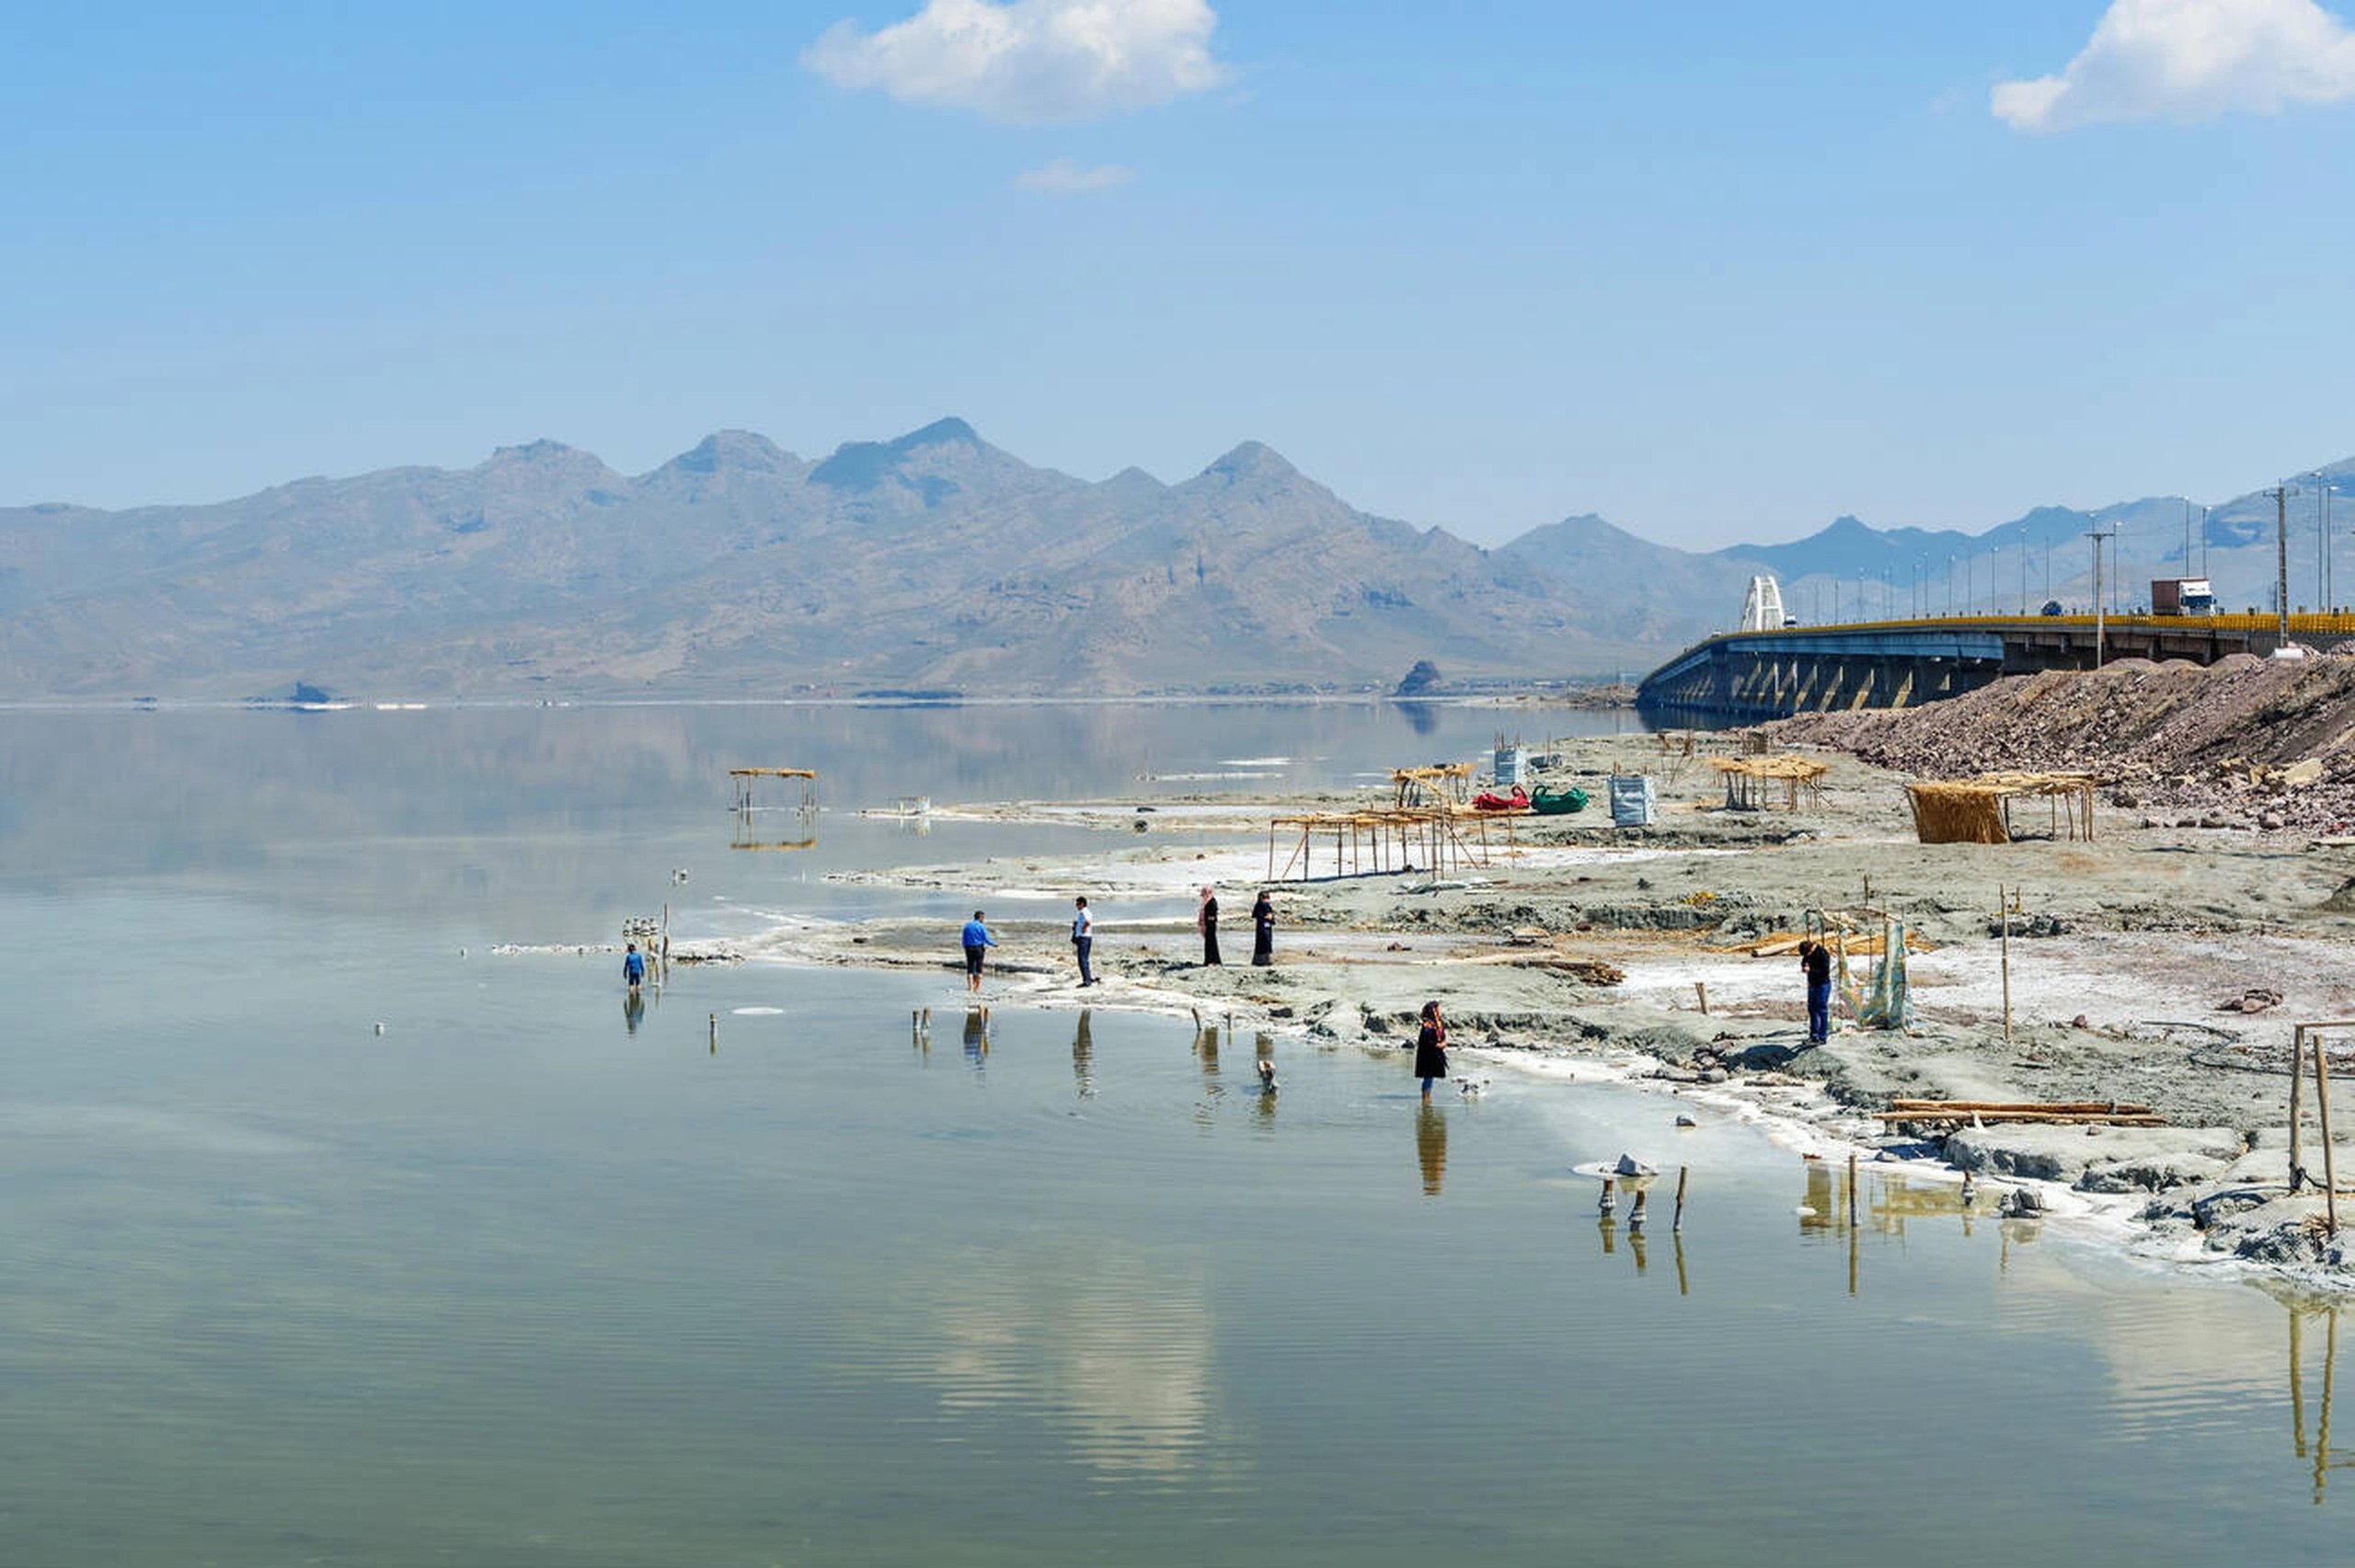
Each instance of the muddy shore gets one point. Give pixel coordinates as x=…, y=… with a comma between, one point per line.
x=2124, y=951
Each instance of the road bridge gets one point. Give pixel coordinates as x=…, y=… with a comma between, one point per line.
x=1745, y=677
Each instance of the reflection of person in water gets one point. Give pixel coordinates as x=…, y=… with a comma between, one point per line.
x=977, y=1034
x=1206, y=1047
x=1430, y=1146
x=1082, y=1056
x=633, y=1009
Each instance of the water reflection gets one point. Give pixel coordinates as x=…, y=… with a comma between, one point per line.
x=1421, y=717
x=1206, y=1053
x=747, y=836
x=1265, y=1046
x=1115, y=1341
x=1430, y=1147
x=1844, y=1201
x=2317, y=1450
x=1206, y=1050
x=1083, y=1055
x=633, y=1010
x=977, y=1036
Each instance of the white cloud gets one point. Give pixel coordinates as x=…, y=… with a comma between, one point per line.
x=2189, y=60
x=1065, y=177
x=1029, y=61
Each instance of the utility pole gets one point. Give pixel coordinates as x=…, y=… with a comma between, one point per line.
x=2096, y=536
x=2321, y=543
x=2281, y=560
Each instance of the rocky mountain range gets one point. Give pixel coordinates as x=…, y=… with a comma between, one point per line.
x=934, y=562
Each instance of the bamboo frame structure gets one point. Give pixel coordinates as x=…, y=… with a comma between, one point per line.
x=743, y=779
x=1747, y=779
x=1428, y=837
x=1977, y=811
x=1441, y=784
x=2300, y=1035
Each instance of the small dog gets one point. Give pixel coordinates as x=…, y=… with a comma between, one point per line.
x=1470, y=1087
x=1267, y=1078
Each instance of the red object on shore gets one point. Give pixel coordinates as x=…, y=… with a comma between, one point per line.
x=1492, y=801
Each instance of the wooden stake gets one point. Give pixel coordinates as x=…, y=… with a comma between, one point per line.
x=2297, y=1088
x=2329, y=1166
x=1702, y=987
x=2004, y=923
x=1851, y=1189
x=714, y=1034
x=1677, y=1221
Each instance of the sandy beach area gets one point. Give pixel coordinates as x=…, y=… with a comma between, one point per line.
x=1585, y=951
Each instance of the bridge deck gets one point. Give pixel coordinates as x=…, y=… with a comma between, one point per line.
x=1742, y=677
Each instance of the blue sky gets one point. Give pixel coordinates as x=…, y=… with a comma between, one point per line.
x=1718, y=272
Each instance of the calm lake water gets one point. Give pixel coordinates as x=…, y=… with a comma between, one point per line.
x=528, y=1281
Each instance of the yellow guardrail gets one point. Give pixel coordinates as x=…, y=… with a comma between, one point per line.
x=2306, y=624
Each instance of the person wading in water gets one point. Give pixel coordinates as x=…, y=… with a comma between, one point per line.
x=1430, y=1048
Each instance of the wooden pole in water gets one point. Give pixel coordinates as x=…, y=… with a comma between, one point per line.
x=2297, y=1392
x=714, y=1034
x=2329, y=1166
x=2297, y=1089
x=1851, y=1189
x=2322, y=1417
x=1676, y=1222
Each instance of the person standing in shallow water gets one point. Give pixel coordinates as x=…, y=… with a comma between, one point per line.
x=977, y=943
x=1206, y=921
x=633, y=968
x=1430, y=1048
x=1263, y=931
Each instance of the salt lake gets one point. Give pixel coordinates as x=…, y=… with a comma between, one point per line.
x=533, y=1278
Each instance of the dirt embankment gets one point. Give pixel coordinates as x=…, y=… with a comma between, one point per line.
x=2216, y=746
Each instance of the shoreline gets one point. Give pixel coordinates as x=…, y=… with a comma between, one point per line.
x=1590, y=946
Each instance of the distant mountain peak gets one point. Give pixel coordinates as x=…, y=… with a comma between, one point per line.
x=1252, y=460
x=940, y=432
x=743, y=450
x=923, y=458
x=542, y=450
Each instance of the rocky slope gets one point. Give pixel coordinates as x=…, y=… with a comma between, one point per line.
x=2244, y=741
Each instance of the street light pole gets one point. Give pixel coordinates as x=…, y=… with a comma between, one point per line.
x=2281, y=560
x=2096, y=536
x=2322, y=595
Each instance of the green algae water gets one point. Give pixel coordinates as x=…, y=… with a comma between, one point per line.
x=534, y=1279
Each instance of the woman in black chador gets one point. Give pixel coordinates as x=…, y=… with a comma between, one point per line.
x=1206, y=921
x=1431, y=1047
x=1263, y=931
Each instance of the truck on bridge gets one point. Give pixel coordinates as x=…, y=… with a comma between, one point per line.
x=2182, y=596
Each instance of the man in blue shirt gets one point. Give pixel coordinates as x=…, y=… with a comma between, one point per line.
x=634, y=967
x=978, y=941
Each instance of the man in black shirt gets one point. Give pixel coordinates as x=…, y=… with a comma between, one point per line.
x=1815, y=959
